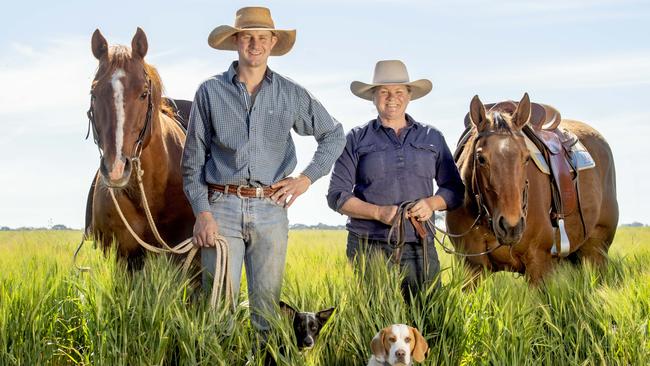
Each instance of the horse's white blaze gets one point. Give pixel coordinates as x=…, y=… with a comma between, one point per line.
x=118, y=99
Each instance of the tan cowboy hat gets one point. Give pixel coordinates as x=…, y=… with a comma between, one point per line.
x=251, y=18
x=391, y=72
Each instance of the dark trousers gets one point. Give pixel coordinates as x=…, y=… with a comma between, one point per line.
x=411, y=260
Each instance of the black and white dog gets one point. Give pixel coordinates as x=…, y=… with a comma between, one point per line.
x=306, y=325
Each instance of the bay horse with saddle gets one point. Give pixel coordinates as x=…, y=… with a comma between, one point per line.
x=538, y=188
x=137, y=194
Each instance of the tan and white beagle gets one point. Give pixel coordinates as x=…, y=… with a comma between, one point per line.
x=397, y=344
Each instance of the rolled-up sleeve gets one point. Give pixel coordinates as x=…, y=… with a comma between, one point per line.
x=195, y=152
x=450, y=185
x=343, y=176
x=314, y=120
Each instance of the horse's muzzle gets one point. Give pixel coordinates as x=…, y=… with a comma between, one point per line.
x=113, y=179
x=506, y=233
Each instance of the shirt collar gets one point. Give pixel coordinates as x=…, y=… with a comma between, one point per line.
x=410, y=122
x=232, y=73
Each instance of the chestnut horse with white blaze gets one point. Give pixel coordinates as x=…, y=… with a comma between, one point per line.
x=130, y=123
x=514, y=222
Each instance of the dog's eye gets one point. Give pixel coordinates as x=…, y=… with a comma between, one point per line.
x=407, y=339
x=392, y=339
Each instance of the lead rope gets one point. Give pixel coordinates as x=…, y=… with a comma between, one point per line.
x=221, y=286
x=398, y=230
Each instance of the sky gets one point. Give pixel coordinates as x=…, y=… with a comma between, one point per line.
x=588, y=58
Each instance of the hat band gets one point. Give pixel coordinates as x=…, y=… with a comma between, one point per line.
x=381, y=82
x=253, y=26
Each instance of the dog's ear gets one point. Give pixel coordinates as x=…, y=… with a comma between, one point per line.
x=324, y=315
x=421, y=347
x=287, y=310
x=377, y=346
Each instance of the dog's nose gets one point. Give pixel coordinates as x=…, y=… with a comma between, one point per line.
x=309, y=342
x=400, y=353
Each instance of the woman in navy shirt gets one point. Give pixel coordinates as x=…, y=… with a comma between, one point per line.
x=390, y=160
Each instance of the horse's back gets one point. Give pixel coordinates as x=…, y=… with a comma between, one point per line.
x=598, y=148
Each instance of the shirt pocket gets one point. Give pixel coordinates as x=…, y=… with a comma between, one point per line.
x=279, y=129
x=373, y=162
x=424, y=159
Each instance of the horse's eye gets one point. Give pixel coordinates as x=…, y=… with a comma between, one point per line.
x=527, y=159
x=481, y=160
x=144, y=95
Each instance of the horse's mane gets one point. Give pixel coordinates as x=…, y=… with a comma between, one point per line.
x=119, y=56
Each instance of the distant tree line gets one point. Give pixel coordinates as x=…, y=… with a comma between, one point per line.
x=28, y=228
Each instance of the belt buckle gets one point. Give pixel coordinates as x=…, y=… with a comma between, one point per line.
x=259, y=192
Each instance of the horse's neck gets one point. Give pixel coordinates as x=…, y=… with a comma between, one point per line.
x=156, y=156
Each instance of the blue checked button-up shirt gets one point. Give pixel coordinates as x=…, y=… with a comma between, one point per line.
x=231, y=140
x=381, y=168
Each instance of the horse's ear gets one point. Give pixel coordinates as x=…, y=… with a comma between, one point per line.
x=139, y=45
x=477, y=113
x=522, y=114
x=99, y=44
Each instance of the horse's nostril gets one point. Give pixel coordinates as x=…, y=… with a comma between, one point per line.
x=502, y=225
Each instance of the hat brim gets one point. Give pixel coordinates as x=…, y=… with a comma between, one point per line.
x=419, y=88
x=221, y=39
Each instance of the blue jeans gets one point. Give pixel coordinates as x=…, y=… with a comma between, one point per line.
x=411, y=260
x=257, y=230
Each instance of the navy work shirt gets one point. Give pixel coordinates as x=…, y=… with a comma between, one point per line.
x=381, y=168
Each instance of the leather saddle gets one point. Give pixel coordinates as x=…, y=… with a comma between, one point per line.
x=181, y=110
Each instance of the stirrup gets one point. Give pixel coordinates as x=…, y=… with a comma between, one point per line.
x=563, y=245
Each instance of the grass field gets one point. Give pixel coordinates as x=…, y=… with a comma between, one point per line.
x=52, y=314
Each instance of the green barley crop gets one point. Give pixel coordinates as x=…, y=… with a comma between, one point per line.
x=51, y=314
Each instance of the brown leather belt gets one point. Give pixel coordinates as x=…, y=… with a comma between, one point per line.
x=243, y=191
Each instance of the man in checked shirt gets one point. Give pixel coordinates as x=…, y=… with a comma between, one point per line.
x=239, y=154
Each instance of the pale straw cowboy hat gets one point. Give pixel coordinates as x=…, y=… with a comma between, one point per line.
x=251, y=18
x=391, y=72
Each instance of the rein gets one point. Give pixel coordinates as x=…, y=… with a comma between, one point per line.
x=221, y=285
x=430, y=225
x=397, y=230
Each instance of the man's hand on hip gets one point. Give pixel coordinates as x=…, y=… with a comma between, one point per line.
x=205, y=229
x=289, y=188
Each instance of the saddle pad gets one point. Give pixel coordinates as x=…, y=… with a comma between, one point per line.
x=580, y=157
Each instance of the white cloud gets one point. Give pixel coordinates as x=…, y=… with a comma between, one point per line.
x=53, y=78
x=49, y=92
x=596, y=71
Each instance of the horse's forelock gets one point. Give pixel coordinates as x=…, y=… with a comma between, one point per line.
x=498, y=122
x=119, y=57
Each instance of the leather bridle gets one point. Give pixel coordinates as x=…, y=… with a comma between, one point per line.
x=139, y=143
x=483, y=210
